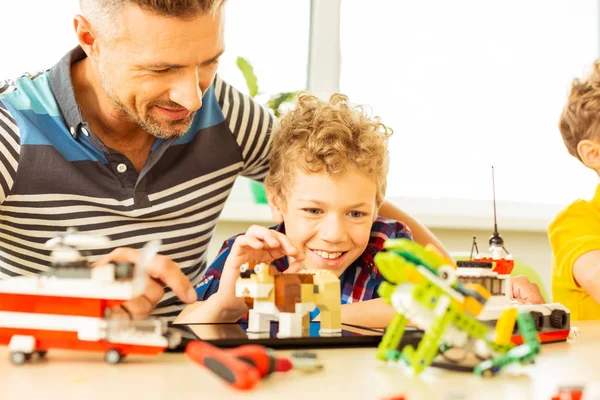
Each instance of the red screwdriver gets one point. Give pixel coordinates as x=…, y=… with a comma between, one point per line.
x=241, y=367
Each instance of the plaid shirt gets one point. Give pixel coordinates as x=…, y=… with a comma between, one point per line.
x=358, y=282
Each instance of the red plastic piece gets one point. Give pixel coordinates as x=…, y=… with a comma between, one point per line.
x=545, y=337
x=239, y=374
x=46, y=340
x=569, y=393
x=283, y=364
x=260, y=358
x=502, y=266
x=55, y=305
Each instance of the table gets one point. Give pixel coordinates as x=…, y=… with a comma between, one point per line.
x=348, y=374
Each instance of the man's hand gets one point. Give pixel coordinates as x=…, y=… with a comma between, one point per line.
x=162, y=271
x=525, y=291
x=257, y=244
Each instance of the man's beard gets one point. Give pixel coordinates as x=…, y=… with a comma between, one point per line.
x=158, y=129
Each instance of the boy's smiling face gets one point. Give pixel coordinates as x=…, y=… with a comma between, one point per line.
x=328, y=218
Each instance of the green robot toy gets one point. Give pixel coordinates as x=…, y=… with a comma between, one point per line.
x=423, y=288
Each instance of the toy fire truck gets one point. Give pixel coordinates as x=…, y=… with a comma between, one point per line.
x=552, y=320
x=70, y=306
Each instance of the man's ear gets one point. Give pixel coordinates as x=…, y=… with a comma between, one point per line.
x=85, y=35
x=589, y=152
x=275, y=205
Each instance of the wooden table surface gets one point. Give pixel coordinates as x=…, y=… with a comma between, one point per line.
x=348, y=374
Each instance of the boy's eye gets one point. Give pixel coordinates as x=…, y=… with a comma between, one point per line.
x=357, y=214
x=314, y=211
x=160, y=71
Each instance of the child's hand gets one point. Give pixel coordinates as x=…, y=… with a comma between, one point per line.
x=257, y=244
x=525, y=291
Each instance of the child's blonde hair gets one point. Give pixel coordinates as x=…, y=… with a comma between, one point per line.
x=580, y=118
x=319, y=136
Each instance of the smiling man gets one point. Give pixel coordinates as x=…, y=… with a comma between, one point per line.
x=132, y=135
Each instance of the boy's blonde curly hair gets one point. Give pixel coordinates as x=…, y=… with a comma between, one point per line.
x=319, y=136
x=580, y=118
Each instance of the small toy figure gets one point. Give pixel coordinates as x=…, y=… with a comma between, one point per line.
x=70, y=306
x=423, y=288
x=552, y=320
x=289, y=298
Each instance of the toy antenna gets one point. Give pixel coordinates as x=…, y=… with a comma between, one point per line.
x=496, y=239
x=494, y=198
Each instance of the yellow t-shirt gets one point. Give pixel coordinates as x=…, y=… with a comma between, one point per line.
x=574, y=232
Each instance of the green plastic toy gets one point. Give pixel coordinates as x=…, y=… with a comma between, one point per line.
x=423, y=288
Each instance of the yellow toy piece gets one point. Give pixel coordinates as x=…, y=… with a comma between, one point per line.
x=473, y=306
x=505, y=326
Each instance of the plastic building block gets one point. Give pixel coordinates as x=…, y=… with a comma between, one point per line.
x=569, y=393
x=421, y=290
x=70, y=306
x=289, y=298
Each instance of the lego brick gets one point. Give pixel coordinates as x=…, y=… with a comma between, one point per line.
x=287, y=292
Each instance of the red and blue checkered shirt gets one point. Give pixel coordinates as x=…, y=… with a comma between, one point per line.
x=358, y=282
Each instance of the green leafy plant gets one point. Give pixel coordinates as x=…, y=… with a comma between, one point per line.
x=278, y=102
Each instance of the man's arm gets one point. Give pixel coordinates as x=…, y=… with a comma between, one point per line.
x=586, y=272
x=420, y=232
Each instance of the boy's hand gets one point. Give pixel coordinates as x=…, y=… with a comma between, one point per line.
x=257, y=244
x=525, y=291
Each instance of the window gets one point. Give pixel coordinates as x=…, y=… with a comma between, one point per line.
x=36, y=34
x=468, y=84
x=274, y=37
x=271, y=34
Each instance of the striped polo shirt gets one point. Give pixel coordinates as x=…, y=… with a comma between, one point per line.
x=55, y=173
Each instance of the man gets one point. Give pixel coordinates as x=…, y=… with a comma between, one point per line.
x=132, y=135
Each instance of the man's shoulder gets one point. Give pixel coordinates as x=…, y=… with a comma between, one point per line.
x=30, y=92
x=242, y=112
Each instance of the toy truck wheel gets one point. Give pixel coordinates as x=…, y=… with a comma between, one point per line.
x=558, y=319
x=538, y=320
x=113, y=356
x=18, y=357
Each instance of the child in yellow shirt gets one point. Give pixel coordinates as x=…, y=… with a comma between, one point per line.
x=575, y=233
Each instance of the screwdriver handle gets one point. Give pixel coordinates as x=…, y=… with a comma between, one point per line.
x=226, y=365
